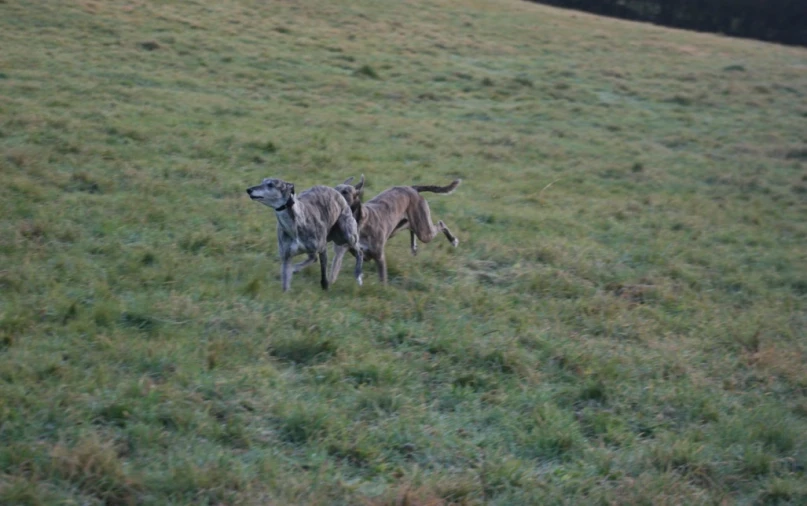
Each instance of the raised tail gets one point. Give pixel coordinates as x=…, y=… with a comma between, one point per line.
x=438, y=189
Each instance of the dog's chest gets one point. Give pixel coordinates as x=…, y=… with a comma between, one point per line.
x=297, y=246
x=300, y=233
x=298, y=243
x=289, y=234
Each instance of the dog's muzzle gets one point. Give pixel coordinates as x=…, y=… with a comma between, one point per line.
x=253, y=197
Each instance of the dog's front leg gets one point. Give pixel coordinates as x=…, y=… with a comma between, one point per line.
x=359, y=262
x=285, y=274
x=338, y=254
x=323, y=266
x=413, y=241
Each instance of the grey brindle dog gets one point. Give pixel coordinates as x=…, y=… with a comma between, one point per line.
x=306, y=223
x=395, y=209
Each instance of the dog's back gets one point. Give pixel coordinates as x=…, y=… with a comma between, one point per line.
x=323, y=203
x=393, y=200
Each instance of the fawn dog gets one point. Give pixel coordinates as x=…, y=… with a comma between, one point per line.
x=395, y=209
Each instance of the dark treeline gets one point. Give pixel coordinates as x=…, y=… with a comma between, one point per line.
x=783, y=21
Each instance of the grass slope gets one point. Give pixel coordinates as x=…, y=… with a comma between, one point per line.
x=624, y=320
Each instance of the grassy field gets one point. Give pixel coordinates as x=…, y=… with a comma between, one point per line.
x=624, y=321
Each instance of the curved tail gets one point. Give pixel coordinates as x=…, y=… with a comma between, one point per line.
x=438, y=189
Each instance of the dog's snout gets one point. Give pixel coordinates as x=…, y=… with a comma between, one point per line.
x=249, y=191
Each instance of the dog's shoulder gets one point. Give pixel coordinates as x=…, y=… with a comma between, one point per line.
x=320, y=194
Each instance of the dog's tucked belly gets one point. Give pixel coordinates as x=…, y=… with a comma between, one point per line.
x=366, y=251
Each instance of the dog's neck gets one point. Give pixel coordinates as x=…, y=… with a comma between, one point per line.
x=285, y=206
x=358, y=212
x=287, y=215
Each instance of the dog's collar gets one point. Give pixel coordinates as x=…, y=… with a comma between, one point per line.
x=285, y=206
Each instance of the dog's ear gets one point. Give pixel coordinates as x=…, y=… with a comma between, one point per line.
x=360, y=185
x=348, y=180
x=291, y=186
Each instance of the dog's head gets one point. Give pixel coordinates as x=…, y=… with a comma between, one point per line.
x=274, y=193
x=352, y=193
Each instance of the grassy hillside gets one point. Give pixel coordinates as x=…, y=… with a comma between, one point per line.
x=624, y=321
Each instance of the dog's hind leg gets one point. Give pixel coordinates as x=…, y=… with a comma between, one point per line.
x=338, y=254
x=443, y=228
x=421, y=224
x=413, y=242
x=305, y=263
x=323, y=266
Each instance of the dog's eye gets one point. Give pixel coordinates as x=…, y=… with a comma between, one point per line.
x=270, y=185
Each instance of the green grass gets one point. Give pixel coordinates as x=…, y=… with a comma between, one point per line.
x=624, y=321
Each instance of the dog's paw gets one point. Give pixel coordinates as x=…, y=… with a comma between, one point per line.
x=455, y=242
x=414, y=252
x=358, y=280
